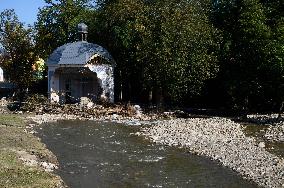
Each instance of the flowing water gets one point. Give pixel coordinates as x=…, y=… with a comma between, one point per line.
x=101, y=154
x=258, y=131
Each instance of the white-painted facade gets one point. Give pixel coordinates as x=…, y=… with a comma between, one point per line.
x=1, y=75
x=97, y=84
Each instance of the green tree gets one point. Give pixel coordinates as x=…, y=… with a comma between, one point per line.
x=17, y=41
x=186, y=47
x=275, y=16
x=120, y=28
x=168, y=47
x=247, y=53
x=57, y=23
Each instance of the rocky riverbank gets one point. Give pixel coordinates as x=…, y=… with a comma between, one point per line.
x=130, y=115
x=223, y=140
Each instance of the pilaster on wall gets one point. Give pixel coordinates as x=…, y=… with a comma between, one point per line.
x=1, y=75
x=53, y=85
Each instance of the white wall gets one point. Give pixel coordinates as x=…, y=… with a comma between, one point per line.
x=105, y=78
x=105, y=74
x=53, y=84
x=1, y=75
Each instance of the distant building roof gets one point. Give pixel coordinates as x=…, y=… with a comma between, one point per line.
x=78, y=53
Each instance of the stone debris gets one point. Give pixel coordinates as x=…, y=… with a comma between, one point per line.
x=138, y=110
x=3, y=105
x=48, y=167
x=86, y=109
x=264, y=118
x=3, y=101
x=3, y=111
x=261, y=144
x=222, y=140
x=32, y=160
x=49, y=118
x=84, y=101
x=128, y=114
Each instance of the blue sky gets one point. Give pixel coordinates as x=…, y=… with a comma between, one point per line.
x=25, y=9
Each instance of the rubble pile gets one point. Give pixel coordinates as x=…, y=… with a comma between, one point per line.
x=39, y=104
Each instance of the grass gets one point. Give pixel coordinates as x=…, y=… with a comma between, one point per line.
x=11, y=120
x=13, y=173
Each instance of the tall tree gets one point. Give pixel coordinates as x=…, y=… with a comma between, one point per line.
x=168, y=47
x=246, y=52
x=19, y=55
x=120, y=28
x=275, y=16
x=57, y=23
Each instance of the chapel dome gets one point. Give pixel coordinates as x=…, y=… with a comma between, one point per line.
x=78, y=53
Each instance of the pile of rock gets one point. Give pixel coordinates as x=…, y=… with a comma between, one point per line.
x=3, y=101
x=3, y=110
x=3, y=105
x=223, y=140
x=33, y=160
x=88, y=109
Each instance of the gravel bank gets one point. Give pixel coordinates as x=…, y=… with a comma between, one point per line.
x=49, y=118
x=223, y=140
x=134, y=120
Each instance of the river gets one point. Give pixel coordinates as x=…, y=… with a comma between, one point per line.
x=102, y=154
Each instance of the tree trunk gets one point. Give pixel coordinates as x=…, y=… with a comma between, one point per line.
x=160, y=100
x=280, y=109
x=150, y=99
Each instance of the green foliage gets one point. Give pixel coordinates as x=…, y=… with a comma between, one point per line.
x=19, y=56
x=251, y=63
x=172, y=49
x=57, y=23
x=170, y=46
